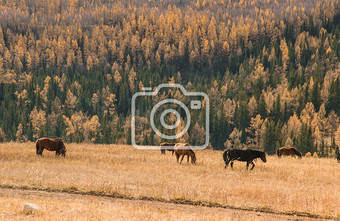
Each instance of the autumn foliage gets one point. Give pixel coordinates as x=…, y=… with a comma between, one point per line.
x=270, y=68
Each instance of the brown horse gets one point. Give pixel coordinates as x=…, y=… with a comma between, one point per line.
x=167, y=146
x=290, y=151
x=188, y=152
x=56, y=145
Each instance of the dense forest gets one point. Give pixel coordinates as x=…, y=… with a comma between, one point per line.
x=270, y=67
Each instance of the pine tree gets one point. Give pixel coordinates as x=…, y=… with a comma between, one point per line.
x=262, y=108
x=334, y=95
x=271, y=140
x=305, y=141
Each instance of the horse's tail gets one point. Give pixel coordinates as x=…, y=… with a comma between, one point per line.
x=225, y=155
x=278, y=153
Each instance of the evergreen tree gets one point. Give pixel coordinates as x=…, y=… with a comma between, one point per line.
x=334, y=97
x=271, y=141
x=305, y=141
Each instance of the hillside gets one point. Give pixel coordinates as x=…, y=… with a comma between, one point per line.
x=271, y=68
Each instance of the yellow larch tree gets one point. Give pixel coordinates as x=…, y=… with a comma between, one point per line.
x=284, y=51
x=252, y=106
x=71, y=100
x=255, y=129
x=38, y=120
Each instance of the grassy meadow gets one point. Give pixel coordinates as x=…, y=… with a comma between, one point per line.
x=63, y=206
x=306, y=185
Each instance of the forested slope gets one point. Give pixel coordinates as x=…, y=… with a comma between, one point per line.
x=270, y=68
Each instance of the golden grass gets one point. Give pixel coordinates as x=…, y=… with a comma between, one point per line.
x=61, y=206
x=287, y=184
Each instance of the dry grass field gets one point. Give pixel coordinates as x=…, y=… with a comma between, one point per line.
x=64, y=206
x=306, y=185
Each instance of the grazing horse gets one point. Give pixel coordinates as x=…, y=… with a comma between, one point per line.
x=248, y=156
x=290, y=151
x=167, y=146
x=56, y=145
x=189, y=152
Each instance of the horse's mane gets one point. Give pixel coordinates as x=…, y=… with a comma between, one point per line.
x=191, y=151
x=298, y=153
x=182, y=144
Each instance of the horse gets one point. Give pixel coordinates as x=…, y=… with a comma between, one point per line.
x=248, y=156
x=169, y=147
x=56, y=145
x=290, y=151
x=188, y=152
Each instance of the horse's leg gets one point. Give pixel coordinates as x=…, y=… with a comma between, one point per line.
x=182, y=159
x=177, y=156
x=188, y=158
x=253, y=164
x=231, y=164
x=162, y=151
x=57, y=153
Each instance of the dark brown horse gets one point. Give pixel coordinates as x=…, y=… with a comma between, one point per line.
x=167, y=146
x=248, y=156
x=56, y=145
x=182, y=152
x=289, y=151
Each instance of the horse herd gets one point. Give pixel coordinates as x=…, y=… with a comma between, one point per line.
x=183, y=149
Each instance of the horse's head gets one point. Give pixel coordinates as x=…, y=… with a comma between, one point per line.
x=263, y=157
x=298, y=153
x=193, y=157
x=62, y=147
x=39, y=151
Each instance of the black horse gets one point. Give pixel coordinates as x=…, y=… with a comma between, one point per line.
x=243, y=155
